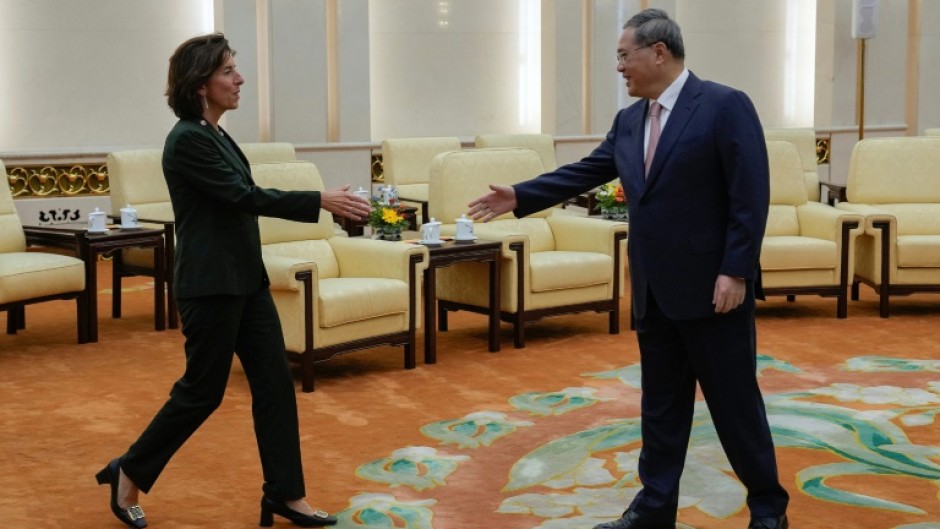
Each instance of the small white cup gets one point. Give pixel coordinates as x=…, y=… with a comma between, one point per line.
x=128, y=217
x=431, y=231
x=96, y=220
x=464, y=229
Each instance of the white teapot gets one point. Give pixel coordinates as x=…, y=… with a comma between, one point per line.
x=431, y=231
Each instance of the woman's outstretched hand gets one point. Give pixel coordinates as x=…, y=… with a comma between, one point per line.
x=501, y=199
x=341, y=202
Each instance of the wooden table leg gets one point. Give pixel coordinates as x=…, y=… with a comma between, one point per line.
x=494, y=304
x=430, y=315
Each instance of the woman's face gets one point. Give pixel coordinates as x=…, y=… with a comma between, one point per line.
x=222, y=89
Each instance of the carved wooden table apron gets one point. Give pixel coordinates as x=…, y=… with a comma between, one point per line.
x=87, y=246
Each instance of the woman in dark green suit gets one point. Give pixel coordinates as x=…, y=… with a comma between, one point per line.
x=222, y=288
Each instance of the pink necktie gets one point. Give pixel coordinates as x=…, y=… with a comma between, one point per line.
x=655, y=107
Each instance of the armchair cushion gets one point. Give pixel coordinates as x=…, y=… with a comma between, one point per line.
x=919, y=251
x=798, y=253
x=553, y=270
x=347, y=300
x=30, y=275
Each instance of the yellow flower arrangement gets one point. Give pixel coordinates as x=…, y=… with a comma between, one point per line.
x=386, y=219
x=611, y=201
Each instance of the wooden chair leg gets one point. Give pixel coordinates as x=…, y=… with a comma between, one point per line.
x=854, y=290
x=306, y=366
x=441, y=318
x=518, y=327
x=12, y=316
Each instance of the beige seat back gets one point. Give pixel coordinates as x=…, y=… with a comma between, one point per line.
x=543, y=144
x=136, y=179
x=805, y=141
x=787, y=188
x=296, y=239
x=460, y=176
x=406, y=162
x=902, y=170
x=12, y=238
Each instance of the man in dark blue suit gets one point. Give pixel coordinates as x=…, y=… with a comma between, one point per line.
x=693, y=163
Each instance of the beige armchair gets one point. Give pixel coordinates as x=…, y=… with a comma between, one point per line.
x=34, y=277
x=894, y=184
x=542, y=144
x=336, y=295
x=932, y=132
x=406, y=163
x=136, y=179
x=551, y=264
x=808, y=246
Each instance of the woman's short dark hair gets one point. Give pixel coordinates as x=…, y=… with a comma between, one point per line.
x=191, y=66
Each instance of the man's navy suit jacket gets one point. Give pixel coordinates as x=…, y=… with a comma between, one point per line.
x=701, y=212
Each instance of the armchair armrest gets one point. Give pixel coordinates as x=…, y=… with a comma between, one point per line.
x=875, y=218
x=370, y=258
x=820, y=221
x=582, y=234
x=282, y=271
x=511, y=240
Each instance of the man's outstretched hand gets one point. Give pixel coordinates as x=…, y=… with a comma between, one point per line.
x=500, y=199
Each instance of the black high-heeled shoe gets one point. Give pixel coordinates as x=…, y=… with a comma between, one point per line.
x=271, y=507
x=132, y=516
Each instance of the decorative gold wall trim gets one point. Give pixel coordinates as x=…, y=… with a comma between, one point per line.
x=53, y=180
x=377, y=169
x=823, y=146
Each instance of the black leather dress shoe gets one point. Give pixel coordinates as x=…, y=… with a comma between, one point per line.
x=769, y=523
x=632, y=520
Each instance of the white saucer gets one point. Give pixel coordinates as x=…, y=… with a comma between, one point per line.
x=468, y=239
x=105, y=230
x=432, y=243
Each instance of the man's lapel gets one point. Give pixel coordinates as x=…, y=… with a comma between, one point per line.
x=679, y=118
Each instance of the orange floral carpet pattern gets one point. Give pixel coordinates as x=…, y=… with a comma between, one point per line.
x=543, y=437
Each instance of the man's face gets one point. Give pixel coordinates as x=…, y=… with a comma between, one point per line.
x=637, y=65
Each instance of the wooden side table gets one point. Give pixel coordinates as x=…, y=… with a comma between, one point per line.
x=87, y=246
x=444, y=255
x=459, y=252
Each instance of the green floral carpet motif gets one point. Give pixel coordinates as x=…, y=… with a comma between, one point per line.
x=576, y=479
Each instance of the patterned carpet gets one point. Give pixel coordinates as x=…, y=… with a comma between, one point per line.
x=545, y=437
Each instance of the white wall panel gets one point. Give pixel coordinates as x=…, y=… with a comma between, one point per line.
x=455, y=68
x=80, y=75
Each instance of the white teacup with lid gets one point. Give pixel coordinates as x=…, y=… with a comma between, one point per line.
x=128, y=217
x=465, y=229
x=96, y=221
x=431, y=232
x=362, y=193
